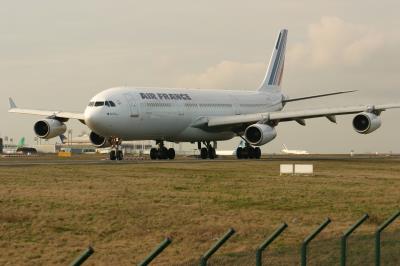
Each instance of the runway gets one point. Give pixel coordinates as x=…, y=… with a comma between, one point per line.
x=47, y=160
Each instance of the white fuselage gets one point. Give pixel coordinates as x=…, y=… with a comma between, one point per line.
x=172, y=114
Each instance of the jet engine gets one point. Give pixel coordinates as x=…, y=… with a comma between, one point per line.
x=49, y=128
x=259, y=134
x=99, y=141
x=366, y=123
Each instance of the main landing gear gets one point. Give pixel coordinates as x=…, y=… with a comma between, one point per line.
x=116, y=153
x=208, y=151
x=162, y=153
x=248, y=152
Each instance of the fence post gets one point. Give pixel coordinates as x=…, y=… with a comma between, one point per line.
x=83, y=257
x=215, y=247
x=268, y=241
x=346, y=234
x=309, y=238
x=378, y=237
x=156, y=252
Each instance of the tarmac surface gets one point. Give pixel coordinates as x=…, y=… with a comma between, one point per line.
x=53, y=160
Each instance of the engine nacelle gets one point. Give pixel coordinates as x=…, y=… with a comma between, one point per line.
x=49, y=128
x=259, y=134
x=365, y=123
x=99, y=141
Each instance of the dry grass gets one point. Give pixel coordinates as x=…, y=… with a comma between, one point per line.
x=49, y=214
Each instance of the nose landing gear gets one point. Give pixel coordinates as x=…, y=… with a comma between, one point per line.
x=162, y=153
x=116, y=153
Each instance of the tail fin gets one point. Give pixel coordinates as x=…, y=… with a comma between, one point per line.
x=21, y=143
x=12, y=103
x=242, y=144
x=274, y=73
x=63, y=138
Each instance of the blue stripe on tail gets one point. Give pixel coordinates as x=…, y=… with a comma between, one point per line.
x=274, y=73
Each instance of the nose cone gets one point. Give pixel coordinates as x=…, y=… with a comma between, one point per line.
x=95, y=120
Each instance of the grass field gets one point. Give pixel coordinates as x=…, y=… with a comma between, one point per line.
x=49, y=214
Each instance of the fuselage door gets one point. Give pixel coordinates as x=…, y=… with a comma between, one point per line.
x=133, y=106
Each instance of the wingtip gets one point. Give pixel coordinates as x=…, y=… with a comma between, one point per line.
x=12, y=103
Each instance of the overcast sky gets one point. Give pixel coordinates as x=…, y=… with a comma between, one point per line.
x=58, y=54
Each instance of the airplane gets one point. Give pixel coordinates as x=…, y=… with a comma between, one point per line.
x=79, y=140
x=20, y=148
x=198, y=115
x=232, y=152
x=297, y=152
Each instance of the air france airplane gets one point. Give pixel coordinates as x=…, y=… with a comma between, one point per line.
x=296, y=152
x=197, y=116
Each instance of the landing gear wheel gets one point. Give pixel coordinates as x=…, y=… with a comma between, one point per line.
x=250, y=152
x=113, y=155
x=257, y=153
x=211, y=153
x=153, y=153
x=203, y=153
x=171, y=153
x=245, y=152
x=162, y=153
x=239, y=152
x=119, y=155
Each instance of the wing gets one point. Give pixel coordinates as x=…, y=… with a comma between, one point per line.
x=56, y=114
x=299, y=116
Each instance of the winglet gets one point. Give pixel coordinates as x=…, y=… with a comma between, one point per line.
x=12, y=103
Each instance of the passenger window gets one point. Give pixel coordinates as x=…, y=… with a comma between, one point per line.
x=98, y=103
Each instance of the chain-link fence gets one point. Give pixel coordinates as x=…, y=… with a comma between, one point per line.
x=390, y=246
x=320, y=249
x=325, y=251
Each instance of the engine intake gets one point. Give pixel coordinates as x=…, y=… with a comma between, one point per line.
x=259, y=134
x=99, y=141
x=49, y=128
x=366, y=123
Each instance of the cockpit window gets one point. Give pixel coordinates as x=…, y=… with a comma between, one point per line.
x=106, y=103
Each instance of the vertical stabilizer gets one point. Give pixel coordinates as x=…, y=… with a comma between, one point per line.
x=274, y=73
x=242, y=144
x=63, y=139
x=21, y=143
